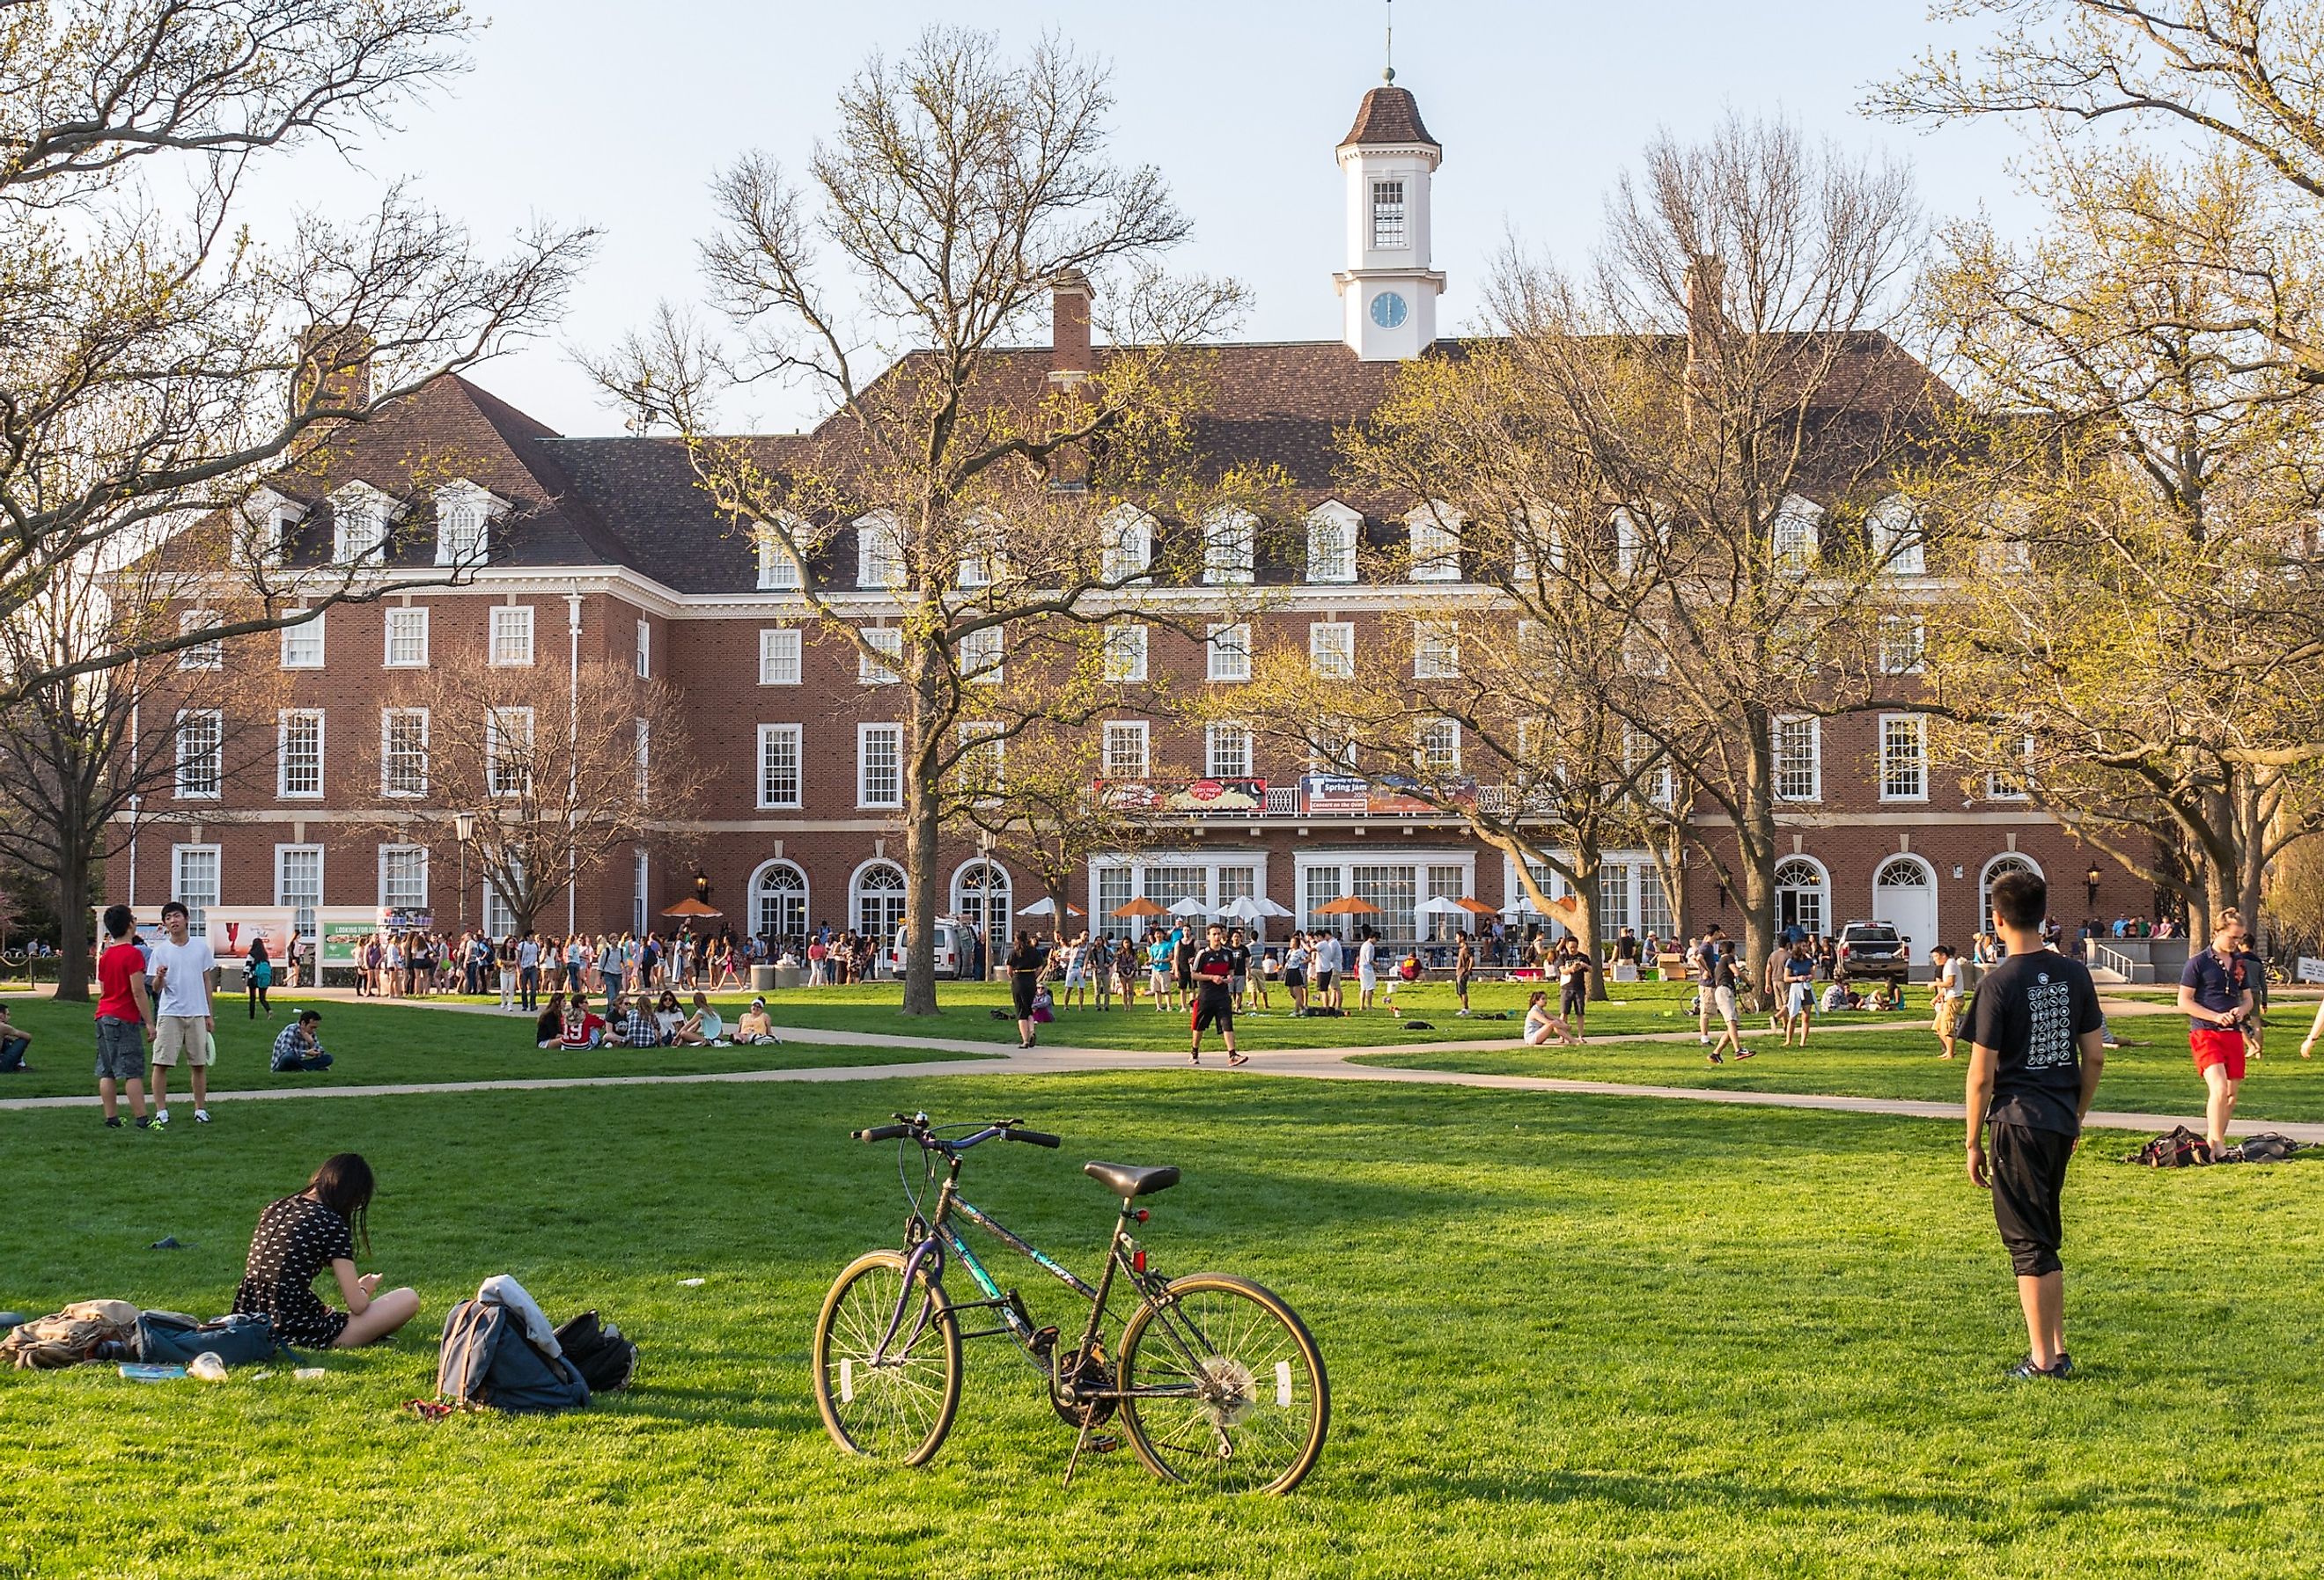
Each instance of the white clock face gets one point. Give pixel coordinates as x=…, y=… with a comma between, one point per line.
x=1387, y=310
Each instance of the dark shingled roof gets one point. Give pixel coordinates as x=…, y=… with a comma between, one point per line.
x=1388, y=115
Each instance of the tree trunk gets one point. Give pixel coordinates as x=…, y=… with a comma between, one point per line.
x=1755, y=857
x=72, y=933
x=1586, y=862
x=922, y=810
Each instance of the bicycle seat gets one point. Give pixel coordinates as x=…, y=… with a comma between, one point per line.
x=1127, y=1179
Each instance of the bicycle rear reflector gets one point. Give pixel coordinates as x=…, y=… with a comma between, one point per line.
x=846, y=1381
x=1283, y=1383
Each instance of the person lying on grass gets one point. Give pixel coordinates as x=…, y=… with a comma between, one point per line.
x=1540, y=1025
x=300, y=1235
x=299, y=1046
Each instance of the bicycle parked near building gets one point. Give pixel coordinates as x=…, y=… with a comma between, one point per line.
x=1216, y=1381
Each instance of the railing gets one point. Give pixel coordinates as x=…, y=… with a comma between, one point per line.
x=2112, y=960
x=1282, y=801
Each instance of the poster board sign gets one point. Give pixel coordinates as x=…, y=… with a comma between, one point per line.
x=1331, y=794
x=2311, y=969
x=1217, y=796
x=233, y=929
x=340, y=929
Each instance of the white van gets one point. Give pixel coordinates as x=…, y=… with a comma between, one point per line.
x=953, y=950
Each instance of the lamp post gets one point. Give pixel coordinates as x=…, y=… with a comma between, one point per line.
x=464, y=828
x=2090, y=884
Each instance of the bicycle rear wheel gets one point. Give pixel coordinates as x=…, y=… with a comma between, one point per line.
x=1248, y=1403
x=899, y=1405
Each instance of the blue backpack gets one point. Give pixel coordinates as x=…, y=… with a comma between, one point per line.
x=487, y=1360
x=171, y=1338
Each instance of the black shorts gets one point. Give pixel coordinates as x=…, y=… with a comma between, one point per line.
x=1572, y=999
x=1213, y=1008
x=1323, y=980
x=2028, y=1168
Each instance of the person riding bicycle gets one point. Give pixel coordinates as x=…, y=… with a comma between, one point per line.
x=1213, y=969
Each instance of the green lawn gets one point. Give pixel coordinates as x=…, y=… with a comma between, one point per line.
x=1566, y=1337
x=389, y=1043
x=2150, y=1074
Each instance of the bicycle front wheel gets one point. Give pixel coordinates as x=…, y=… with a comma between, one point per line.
x=1223, y=1388
x=887, y=1360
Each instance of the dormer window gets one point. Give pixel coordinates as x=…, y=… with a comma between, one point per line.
x=1795, y=535
x=267, y=520
x=1435, y=531
x=360, y=516
x=879, y=553
x=1126, y=545
x=1332, y=542
x=463, y=514
x=1898, y=544
x=777, y=571
x=1387, y=214
x=1230, y=541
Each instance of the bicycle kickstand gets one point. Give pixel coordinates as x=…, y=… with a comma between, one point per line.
x=1102, y=1444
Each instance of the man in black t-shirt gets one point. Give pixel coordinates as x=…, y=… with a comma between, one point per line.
x=1213, y=969
x=2036, y=1047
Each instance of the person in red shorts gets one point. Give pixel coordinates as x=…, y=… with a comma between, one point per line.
x=2215, y=994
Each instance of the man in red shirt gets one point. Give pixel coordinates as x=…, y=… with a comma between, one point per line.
x=124, y=1017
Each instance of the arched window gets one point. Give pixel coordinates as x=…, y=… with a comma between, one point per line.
x=1332, y=532
x=981, y=897
x=875, y=899
x=1996, y=869
x=1800, y=897
x=1793, y=534
x=778, y=901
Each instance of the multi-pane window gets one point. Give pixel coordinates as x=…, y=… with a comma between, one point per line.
x=1332, y=648
x=1229, y=544
x=888, y=642
x=1226, y=753
x=1645, y=650
x=645, y=649
x=1439, y=755
x=779, y=765
x=358, y=532
x=194, y=882
x=984, y=757
x=500, y=916
x=513, y=635
x=979, y=656
x=404, y=877
x=1387, y=214
x=880, y=765
x=302, y=644
x=2001, y=786
x=1897, y=541
x=201, y=754
x=1436, y=532
x=1237, y=883
x=1112, y=888
x=779, y=648
x=1658, y=783
x=1904, y=643
x=1435, y=650
x=1323, y=887
x=1903, y=757
x=1228, y=650
x=201, y=655
x=879, y=552
x=1792, y=535
x=1127, y=547
x=777, y=571
x=298, y=882
x=508, y=749
x=1125, y=652
x=1125, y=748
x=403, y=752
x=407, y=638
x=1395, y=891
x=299, y=753
x=1798, y=759
x=460, y=529
x=645, y=759
x=1331, y=545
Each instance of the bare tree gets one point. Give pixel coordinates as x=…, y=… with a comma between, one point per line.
x=552, y=792
x=157, y=361
x=1005, y=514
x=1038, y=800
x=92, y=756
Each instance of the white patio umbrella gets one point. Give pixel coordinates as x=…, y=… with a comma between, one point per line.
x=1522, y=905
x=1047, y=907
x=1440, y=906
x=1242, y=908
x=1189, y=907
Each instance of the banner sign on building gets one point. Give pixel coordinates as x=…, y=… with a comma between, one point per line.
x=1197, y=797
x=339, y=940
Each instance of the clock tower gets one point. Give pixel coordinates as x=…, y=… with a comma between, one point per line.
x=1388, y=292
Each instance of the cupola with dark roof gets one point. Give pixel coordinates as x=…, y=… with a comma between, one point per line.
x=1388, y=290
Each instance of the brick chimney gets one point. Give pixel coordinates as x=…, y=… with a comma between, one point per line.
x=335, y=358
x=1706, y=282
x=1070, y=360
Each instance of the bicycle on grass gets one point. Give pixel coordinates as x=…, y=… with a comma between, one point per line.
x=1216, y=1381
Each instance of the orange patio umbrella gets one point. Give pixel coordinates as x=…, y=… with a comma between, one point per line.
x=1475, y=907
x=690, y=906
x=1142, y=906
x=1348, y=905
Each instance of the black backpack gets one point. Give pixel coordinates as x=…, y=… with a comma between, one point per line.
x=604, y=1355
x=2267, y=1147
x=2180, y=1148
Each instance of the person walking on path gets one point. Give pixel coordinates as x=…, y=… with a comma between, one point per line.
x=1464, y=967
x=124, y=1018
x=1706, y=961
x=1214, y=974
x=2216, y=995
x=185, y=972
x=2036, y=1055
x=1025, y=961
x=1945, y=997
x=1799, y=994
x=1720, y=985
x=258, y=975
x=300, y=1235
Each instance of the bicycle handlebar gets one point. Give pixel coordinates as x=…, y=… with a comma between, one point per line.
x=1037, y=1137
x=918, y=1129
x=884, y=1132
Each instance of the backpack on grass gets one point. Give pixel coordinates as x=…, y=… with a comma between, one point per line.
x=2180, y=1148
x=170, y=1338
x=79, y=1333
x=489, y=1362
x=606, y=1357
x=2267, y=1147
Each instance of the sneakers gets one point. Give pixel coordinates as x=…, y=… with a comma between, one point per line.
x=1744, y=1053
x=1716, y=1057
x=144, y=1121
x=161, y=1120
x=2025, y=1371
x=201, y=1116
x=114, y=1122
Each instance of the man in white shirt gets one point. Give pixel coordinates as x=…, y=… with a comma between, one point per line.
x=183, y=972
x=1945, y=997
x=1327, y=969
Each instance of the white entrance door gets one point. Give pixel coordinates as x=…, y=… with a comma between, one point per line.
x=1905, y=896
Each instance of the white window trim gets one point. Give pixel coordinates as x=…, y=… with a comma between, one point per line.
x=413, y=614
x=464, y=496
x=863, y=733
x=217, y=752
x=1815, y=758
x=1336, y=567
x=1126, y=653
x=1126, y=551
x=518, y=614
x=387, y=715
x=283, y=791
x=1229, y=547
x=1438, y=643
x=1343, y=660
x=645, y=649
x=1144, y=733
x=1917, y=627
x=777, y=571
x=177, y=855
x=768, y=735
x=305, y=631
x=201, y=655
x=1432, y=532
x=1420, y=745
x=1214, y=734
x=797, y=644
x=385, y=851
x=1213, y=653
x=1920, y=726
x=496, y=720
x=889, y=641
x=974, y=667
x=281, y=896
x=879, y=552
x=377, y=511
x=1997, y=790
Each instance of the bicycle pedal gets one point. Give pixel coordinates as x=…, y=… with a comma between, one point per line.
x=1045, y=1340
x=1103, y=1445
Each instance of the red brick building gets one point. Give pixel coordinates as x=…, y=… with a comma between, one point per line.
x=597, y=549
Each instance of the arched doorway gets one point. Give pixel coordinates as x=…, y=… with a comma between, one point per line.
x=778, y=902
x=981, y=896
x=875, y=900
x=1905, y=896
x=1802, y=897
x=1994, y=870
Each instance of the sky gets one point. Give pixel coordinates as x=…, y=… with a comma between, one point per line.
x=616, y=114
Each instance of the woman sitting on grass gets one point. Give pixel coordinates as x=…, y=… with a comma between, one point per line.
x=668, y=1015
x=300, y=1235
x=549, y=1031
x=756, y=1026
x=702, y=1028
x=1540, y=1025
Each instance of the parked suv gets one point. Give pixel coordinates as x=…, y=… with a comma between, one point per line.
x=1871, y=949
